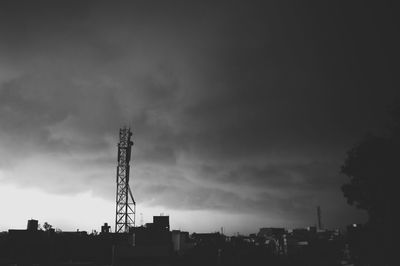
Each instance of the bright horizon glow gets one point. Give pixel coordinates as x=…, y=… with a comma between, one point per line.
x=66, y=212
x=70, y=213
x=86, y=212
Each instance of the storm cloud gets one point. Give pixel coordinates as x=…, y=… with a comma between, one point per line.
x=235, y=107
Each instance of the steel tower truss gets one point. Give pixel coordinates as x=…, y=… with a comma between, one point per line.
x=126, y=205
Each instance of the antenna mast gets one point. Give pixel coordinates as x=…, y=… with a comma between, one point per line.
x=319, y=218
x=126, y=205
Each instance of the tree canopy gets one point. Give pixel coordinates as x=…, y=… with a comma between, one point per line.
x=373, y=167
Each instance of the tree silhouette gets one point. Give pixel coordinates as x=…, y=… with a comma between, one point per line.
x=47, y=226
x=373, y=166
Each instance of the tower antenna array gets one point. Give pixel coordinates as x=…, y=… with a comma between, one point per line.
x=126, y=205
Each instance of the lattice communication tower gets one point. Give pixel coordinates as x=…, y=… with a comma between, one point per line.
x=126, y=205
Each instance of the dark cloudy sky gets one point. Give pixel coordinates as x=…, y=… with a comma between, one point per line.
x=242, y=112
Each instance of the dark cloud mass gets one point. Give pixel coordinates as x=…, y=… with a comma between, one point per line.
x=236, y=107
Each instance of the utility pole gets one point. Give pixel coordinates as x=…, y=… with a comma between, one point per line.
x=319, y=218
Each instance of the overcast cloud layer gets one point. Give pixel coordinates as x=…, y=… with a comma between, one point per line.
x=237, y=108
